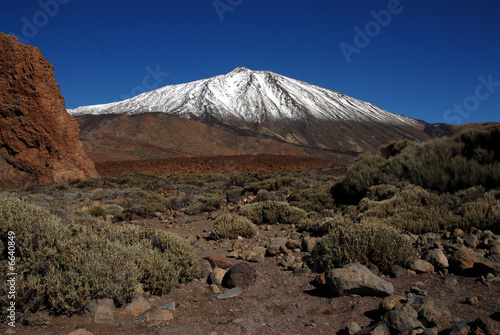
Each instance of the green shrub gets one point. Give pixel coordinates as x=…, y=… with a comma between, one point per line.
x=62, y=267
x=272, y=212
x=312, y=200
x=230, y=227
x=447, y=164
x=320, y=226
x=97, y=211
x=416, y=210
x=368, y=241
x=205, y=203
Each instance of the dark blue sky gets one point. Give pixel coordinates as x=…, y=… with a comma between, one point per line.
x=437, y=60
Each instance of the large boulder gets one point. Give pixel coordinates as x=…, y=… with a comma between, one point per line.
x=356, y=279
x=240, y=275
x=39, y=140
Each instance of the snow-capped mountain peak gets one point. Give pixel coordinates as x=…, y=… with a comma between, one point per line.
x=250, y=96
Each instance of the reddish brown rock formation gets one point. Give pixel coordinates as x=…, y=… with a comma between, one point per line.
x=39, y=141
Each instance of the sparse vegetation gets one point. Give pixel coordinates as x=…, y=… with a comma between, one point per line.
x=447, y=164
x=272, y=212
x=366, y=241
x=230, y=227
x=61, y=267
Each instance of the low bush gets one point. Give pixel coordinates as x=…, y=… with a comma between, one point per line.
x=446, y=164
x=272, y=212
x=62, y=267
x=367, y=241
x=205, y=203
x=320, y=226
x=230, y=227
x=313, y=200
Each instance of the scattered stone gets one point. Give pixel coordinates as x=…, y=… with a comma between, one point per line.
x=471, y=241
x=293, y=244
x=205, y=272
x=103, y=310
x=308, y=243
x=466, y=261
x=397, y=271
x=216, y=277
x=215, y=289
x=401, y=322
x=379, y=328
x=495, y=250
x=137, y=306
x=353, y=328
x=438, y=259
x=240, y=275
x=80, y=332
x=287, y=261
x=170, y=306
x=473, y=301
x=257, y=259
x=391, y=301
x=450, y=281
x=219, y=261
x=356, y=279
x=259, y=251
x=436, y=314
x=488, y=325
x=233, y=254
x=234, y=292
x=157, y=314
x=419, y=265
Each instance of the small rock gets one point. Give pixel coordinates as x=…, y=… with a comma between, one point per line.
x=219, y=261
x=353, y=328
x=293, y=244
x=137, y=306
x=234, y=292
x=240, y=275
x=472, y=241
x=379, y=328
x=308, y=243
x=273, y=250
x=401, y=322
x=205, y=272
x=257, y=259
x=488, y=325
x=450, y=281
x=435, y=313
x=472, y=301
x=391, y=301
x=356, y=279
x=495, y=250
x=259, y=251
x=233, y=254
x=438, y=258
x=170, y=306
x=216, y=277
x=215, y=289
x=419, y=265
x=103, y=310
x=157, y=314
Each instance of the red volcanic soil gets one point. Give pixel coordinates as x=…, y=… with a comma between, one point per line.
x=215, y=164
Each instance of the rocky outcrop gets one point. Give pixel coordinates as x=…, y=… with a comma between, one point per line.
x=39, y=140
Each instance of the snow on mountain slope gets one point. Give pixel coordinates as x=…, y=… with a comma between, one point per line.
x=251, y=96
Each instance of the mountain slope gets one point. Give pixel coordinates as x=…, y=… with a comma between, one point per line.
x=262, y=105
